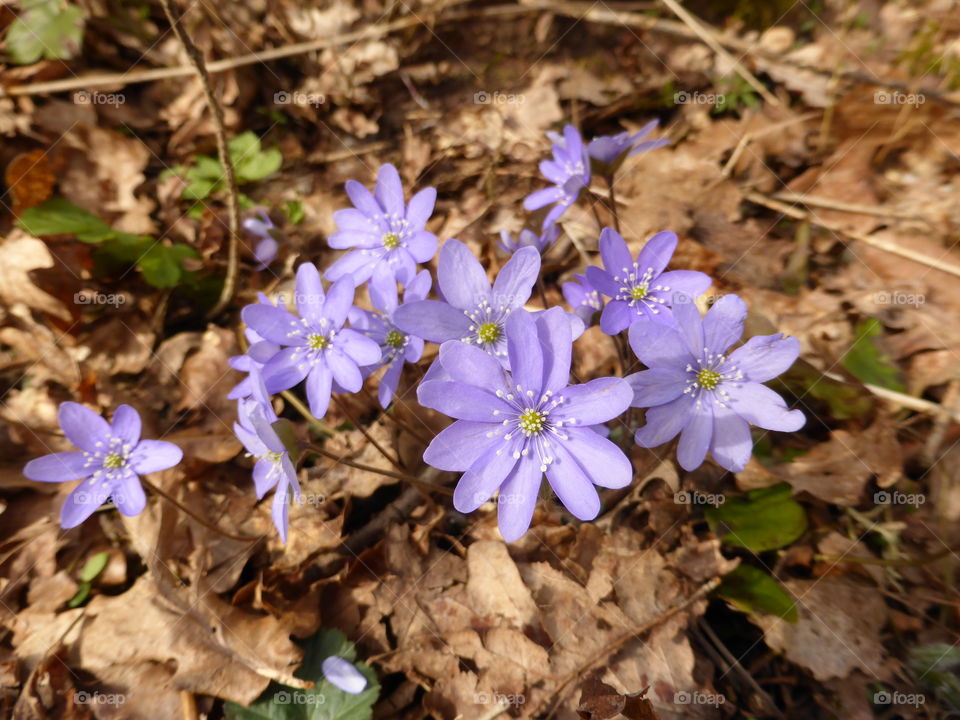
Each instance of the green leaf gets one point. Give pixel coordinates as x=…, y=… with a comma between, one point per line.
x=250, y=162
x=866, y=360
x=751, y=590
x=45, y=29
x=83, y=592
x=162, y=265
x=94, y=566
x=325, y=701
x=294, y=211
x=61, y=217
x=765, y=520
x=936, y=667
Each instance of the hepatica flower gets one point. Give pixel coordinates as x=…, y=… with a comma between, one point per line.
x=259, y=352
x=583, y=298
x=343, y=674
x=262, y=227
x=611, y=149
x=274, y=468
x=512, y=428
x=640, y=288
x=569, y=171
x=710, y=398
x=315, y=344
x=386, y=235
x=110, y=460
x=472, y=311
x=396, y=346
x=528, y=238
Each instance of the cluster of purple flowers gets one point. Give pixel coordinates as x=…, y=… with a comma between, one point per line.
x=503, y=371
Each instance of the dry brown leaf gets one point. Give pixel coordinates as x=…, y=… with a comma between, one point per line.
x=19, y=254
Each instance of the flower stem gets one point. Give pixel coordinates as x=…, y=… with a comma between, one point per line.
x=613, y=203
x=180, y=506
x=320, y=427
x=379, y=471
x=392, y=459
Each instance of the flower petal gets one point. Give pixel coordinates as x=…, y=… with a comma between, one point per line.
x=310, y=296
x=459, y=445
x=656, y=253
x=515, y=280
x=389, y=190
x=593, y=402
x=361, y=349
x=420, y=208
x=690, y=325
x=285, y=370
x=616, y=317
x=264, y=477
x=731, y=445
x=683, y=285
x=432, y=320
x=82, y=426
x=362, y=199
x=338, y=302
x=695, y=437
x=357, y=263
x=342, y=674
x=761, y=406
x=126, y=424
x=614, y=253
x=154, y=455
x=471, y=365
x=602, y=281
x=764, y=357
x=389, y=382
x=603, y=462
x=556, y=340
x=518, y=498
x=541, y=198
x=664, y=422
x=272, y=323
x=524, y=351
x=353, y=219
x=345, y=371
x=461, y=401
x=128, y=495
x=485, y=475
x=461, y=277
x=422, y=246
x=83, y=502
x=319, y=384
x=348, y=239
x=723, y=323
x=657, y=386
x=659, y=345
x=280, y=511
x=572, y=486
x=58, y=467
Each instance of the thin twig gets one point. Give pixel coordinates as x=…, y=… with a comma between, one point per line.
x=950, y=410
x=393, y=460
x=380, y=471
x=857, y=208
x=297, y=404
x=223, y=151
x=187, y=511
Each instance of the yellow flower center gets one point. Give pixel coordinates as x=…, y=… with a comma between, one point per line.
x=531, y=422
x=112, y=461
x=638, y=292
x=396, y=339
x=316, y=341
x=489, y=332
x=708, y=379
x=391, y=241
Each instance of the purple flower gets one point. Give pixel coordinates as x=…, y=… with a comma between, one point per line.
x=472, y=312
x=274, y=468
x=316, y=346
x=569, y=171
x=396, y=346
x=259, y=353
x=511, y=428
x=262, y=227
x=342, y=674
x=387, y=235
x=528, y=238
x=711, y=399
x=608, y=149
x=640, y=288
x=112, y=457
x=583, y=298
